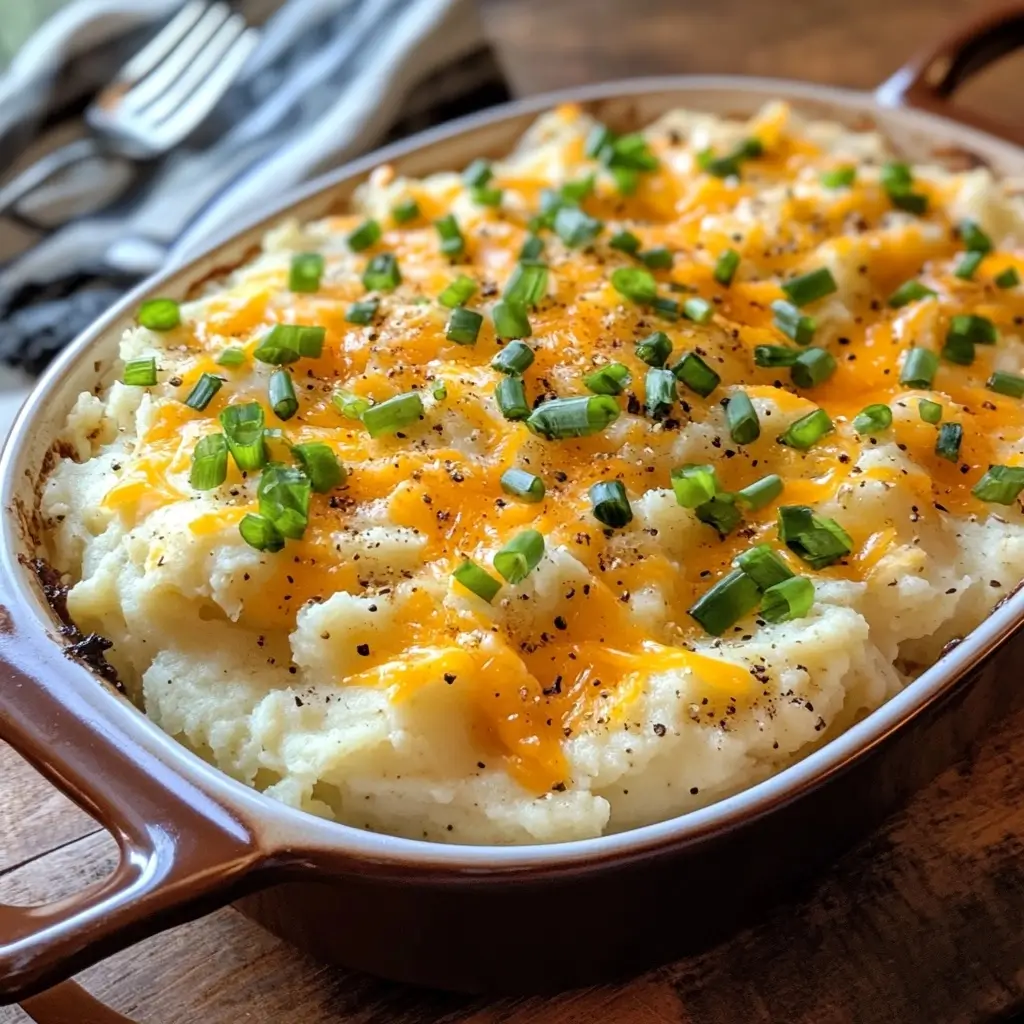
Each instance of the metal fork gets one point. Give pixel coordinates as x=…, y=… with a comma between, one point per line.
x=157, y=99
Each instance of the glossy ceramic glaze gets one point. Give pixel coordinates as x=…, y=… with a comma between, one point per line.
x=479, y=918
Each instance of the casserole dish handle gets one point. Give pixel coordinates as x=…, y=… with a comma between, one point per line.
x=929, y=80
x=181, y=852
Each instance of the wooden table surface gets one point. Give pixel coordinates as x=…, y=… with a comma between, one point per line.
x=923, y=922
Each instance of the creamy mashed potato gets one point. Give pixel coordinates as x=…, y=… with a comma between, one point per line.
x=397, y=633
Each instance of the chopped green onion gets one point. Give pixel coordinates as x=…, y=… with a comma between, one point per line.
x=873, y=419
x=909, y=291
x=897, y=181
x=660, y=392
x=286, y=343
x=627, y=151
x=551, y=201
x=625, y=241
x=532, y=248
x=477, y=173
x=362, y=312
x=209, y=463
x=721, y=513
x=654, y=349
x=790, y=599
x=959, y=350
x=576, y=228
x=696, y=374
x=610, y=379
x=349, y=404
x=744, y=426
x=577, y=191
x=947, y=444
x=839, y=177
x=1009, y=278
x=463, y=326
x=368, y=233
x=600, y=136
x=930, y=412
x=667, y=309
x=515, y=357
x=243, y=429
x=510, y=394
x=282, y=395
x=635, y=283
x=761, y=492
x=810, y=287
x=793, y=323
x=896, y=175
x=202, y=394
x=812, y=367
x=726, y=266
x=817, y=540
x=525, y=486
x=1003, y=383
x=698, y=310
x=573, y=417
x=390, y=416
x=912, y=202
x=728, y=165
x=306, y=270
x=159, y=314
x=974, y=239
x=440, y=392
x=775, y=355
x=528, y=284
x=977, y=329
x=610, y=504
x=140, y=373
x=487, y=196
x=405, y=211
x=626, y=179
x=452, y=242
x=1000, y=484
x=659, y=258
x=919, y=368
x=732, y=597
x=510, y=320
x=260, y=533
x=231, y=357
x=764, y=566
x=805, y=432
x=458, y=293
x=520, y=556
x=969, y=263
x=382, y=273
x=694, y=485
x=321, y=465
x=476, y=580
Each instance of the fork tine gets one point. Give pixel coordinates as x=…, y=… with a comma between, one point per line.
x=160, y=45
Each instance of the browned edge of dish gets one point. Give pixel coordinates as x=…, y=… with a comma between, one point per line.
x=185, y=850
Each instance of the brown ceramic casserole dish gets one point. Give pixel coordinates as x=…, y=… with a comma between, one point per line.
x=464, y=917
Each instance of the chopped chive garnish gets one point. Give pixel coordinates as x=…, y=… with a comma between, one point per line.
x=610, y=379
x=773, y=356
x=368, y=233
x=483, y=196
x=159, y=314
x=968, y=264
x=243, y=429
x=694, y=485
x=528, y=284
x=231, y=357
x=577, y=191
x=510, y=320
x=1003, y=383
x=510, y=394
x=696, y=374
x=573, y=417
x=666, y=309
x=812, y=367
x=721, y=513
x=810, y=287
x=1000, y=484
x=520, y=556
x=1009, y=278
x=873, y=419
x=790, y=599
x=625, y=241
x=794, y=324
x=728, y=165
x=610, y=504
x=764, y=566
x=260, y=533
x=959, y=350
x=658, y=258
x=930, y=412
x=476, y=580
x=576, y=228
x=839, y=177
x=350, y=405
x=463, y=326
x=760, y=493
x=282, y=395
x=919, y=368
x=306, y=270
x=515, y=357
x=732, y=597
x=698, y=310
x=654, y=349
x=458, y=293
x=532, y=248
x=405, y=211
x=382, y=273
x=817, y=540
x=321, y=465
x=202, y=394
x=599, y=137
x=390, y=416
x=726, y=266
x=974, y=239
x=626, y=180
x=525, y=486
x=660, y=392
x=976, y=329
x=636, y=284
x=439, y=392
x=947, y=444
x=909, y=291
x=477, y=173
x=744, y=426
x=286, y=343
x=898, y=183
x=209, y=463
x=452, y=242
x=362, y=312
x=140, y=373
x=807, y=431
